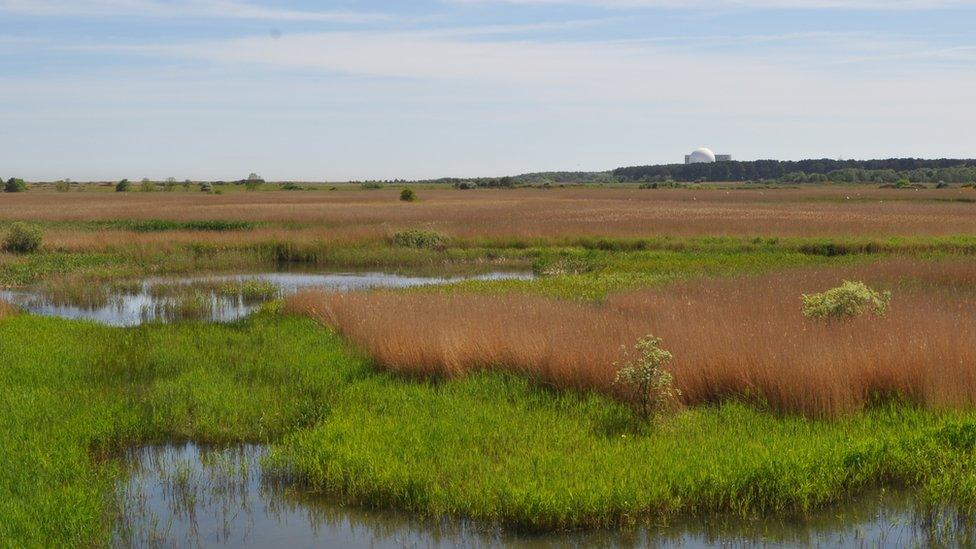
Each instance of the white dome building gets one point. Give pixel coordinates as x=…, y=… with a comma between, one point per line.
x=701, y=156
x=705, y=156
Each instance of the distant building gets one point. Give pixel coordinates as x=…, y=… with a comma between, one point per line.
x=706, y=156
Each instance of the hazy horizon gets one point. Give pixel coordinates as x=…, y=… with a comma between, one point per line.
x=376, y=89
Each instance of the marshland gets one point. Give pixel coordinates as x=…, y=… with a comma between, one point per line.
x=449, y=369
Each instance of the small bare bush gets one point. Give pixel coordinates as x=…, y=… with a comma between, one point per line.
x=849, y=300
x=644, y=380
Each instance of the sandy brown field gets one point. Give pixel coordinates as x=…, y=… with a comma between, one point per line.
x=731, y=338
x=620, y=212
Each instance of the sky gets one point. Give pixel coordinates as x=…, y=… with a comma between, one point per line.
x=382, y=89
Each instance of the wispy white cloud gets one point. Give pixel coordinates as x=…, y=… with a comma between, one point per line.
x=224, y=9
x=872, y=5
x=515, y=95
x=768, y=82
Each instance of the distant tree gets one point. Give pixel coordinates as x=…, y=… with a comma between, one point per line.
x=206, y=187
x=122, y=186
x=62, y=186
x=15, y=185
x=844, y=171
x=148, y=186
x=407, y=195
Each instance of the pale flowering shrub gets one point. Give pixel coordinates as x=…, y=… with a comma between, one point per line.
x=644, y=381
x=848, y=300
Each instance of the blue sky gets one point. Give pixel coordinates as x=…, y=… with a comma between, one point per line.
x=215, y=89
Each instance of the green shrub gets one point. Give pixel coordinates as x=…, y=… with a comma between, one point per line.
x=372, y=185
x=407, y=195
x=290, y=186
x=644, y=382
x=559, y=266
x=22, y=239
x=159, y=225
x=15, y=185
x=206, y=188
x=62, y=186
x=419, y=238
x=122, y=186
x=848, y=300
x=148, y=186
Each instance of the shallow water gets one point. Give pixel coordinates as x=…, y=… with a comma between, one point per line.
x=138, y=304
x=190, y=496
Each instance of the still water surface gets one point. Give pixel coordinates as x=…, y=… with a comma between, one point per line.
x=189, y=496
x=139, y=303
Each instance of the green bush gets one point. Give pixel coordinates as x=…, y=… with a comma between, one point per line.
x=148, y=186
x=62, y=186
x=290, y=186
x=159, y=225
x=122, y=186
x=407, y=195
x=560, y=266
x=206, y=188
x=848, y=300
x=644, y=382
x=419, y=238
x=22, y=239
x=15, y=185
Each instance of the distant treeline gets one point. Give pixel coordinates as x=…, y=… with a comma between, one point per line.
x=809, y=171
x=534, y=179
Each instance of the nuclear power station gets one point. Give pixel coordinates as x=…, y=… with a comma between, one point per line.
x=706, y=156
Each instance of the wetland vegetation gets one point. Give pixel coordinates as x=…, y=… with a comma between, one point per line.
x=493, y=399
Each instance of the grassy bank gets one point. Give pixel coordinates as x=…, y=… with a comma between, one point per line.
x=493, y=447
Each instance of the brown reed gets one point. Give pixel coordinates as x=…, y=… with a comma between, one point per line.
x=531, y=213
x=743, y=338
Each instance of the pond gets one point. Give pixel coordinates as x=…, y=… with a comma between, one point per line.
x=213, y=298
x=188, y=495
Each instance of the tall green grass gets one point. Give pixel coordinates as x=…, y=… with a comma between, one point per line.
x=492, y=447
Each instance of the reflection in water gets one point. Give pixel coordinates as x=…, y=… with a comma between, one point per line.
x=213, y=298
x=198, y=497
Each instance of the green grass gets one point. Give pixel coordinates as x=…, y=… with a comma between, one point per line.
x=607, y=263
x=492, y=447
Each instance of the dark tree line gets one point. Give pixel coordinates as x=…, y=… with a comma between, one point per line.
x=781, y=169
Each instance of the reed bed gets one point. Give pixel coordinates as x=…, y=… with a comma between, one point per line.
x=533, y=213
x=567, y=345
x=743, y=339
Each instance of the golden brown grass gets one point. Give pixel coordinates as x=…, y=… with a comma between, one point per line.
x=739, y=338
x=528, y=213
x=568, y=345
